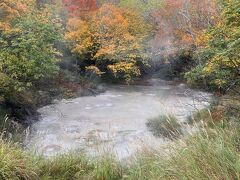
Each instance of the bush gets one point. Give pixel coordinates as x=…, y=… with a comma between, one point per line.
x=28, y=59
x=165, y=126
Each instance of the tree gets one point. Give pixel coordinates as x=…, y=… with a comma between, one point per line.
x=145, y=7
x=79, y=7
x=189, y=18
x=10, y=10
x=27, y=54
x=112, y=39
x=219, y=52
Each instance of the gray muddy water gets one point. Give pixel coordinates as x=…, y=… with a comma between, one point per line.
x=114, y=121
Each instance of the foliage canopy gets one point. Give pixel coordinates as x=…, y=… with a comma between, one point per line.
x=220, y=50
x=112, y=38
x=27, y=53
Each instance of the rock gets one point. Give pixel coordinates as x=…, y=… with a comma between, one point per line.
x=182, y=85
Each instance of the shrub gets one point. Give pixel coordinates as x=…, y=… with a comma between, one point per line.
x=28, y=58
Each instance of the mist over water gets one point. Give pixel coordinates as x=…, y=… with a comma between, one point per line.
x=114, y=121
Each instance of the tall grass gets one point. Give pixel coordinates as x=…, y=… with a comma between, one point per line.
x=166, y=126
x=64, y=167
x=77, y=166
x=16, y=164
x=213, y=153
x=10, y=129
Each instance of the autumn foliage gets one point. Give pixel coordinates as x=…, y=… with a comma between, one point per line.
x=218, y=51
x=111, y=38
x=188, y=18
x=115, y=41
x=79, y=7
x=10, y=10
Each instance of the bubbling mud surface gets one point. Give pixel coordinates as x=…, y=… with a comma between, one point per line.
x=114, y=121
